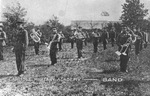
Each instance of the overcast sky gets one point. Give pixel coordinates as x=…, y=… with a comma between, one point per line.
x=39, y=11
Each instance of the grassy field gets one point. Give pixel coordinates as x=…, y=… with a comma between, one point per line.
x=98, y=75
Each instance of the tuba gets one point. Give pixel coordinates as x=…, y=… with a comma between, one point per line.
x=35, y=36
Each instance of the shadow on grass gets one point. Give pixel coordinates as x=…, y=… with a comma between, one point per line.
x=43, y=65
x=110, y=71
x=3, y=76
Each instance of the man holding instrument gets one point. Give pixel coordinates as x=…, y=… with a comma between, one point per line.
x=79, y=41
x=21, y=43
x=124, y=40
x=37, y=43
x=53, y=46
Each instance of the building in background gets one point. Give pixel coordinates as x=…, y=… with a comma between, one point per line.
x=89, y=24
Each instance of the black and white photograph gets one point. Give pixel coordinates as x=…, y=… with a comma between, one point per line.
x=74, y=47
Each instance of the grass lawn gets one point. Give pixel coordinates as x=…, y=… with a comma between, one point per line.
x=98, y=75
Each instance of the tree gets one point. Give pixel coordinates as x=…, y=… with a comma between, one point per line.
x=77, y=24
x=117, y=27
x=109, y=26
x=13, y=13
x=93, y=24
x=133, y=13
x=47, y=26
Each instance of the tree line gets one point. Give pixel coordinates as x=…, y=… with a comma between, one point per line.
x=133, y=16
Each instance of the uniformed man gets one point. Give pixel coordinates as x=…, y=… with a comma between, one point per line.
x=2, y=41
x=124, y=41
x=112, y=36
x=21, y=43
x=138, y=41
x=104, y=38
x=95, y=38
x=145, y=38
x=37, y=44
x=60, y=40
x=79, y=41
x=53, y=46
x=72, y=39
x=85, y=38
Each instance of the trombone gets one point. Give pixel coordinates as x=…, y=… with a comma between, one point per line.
x=124, y=52
x=122, y=47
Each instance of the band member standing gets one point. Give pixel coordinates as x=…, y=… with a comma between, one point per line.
x=112, y=36
x=142, y=39
x=138, y=41
x=53, y=46
x=60, y=40
x=21, y=43
x=37, y=43
x=72, y=39
x=124, y=40
x=79, y=41
x=104, y=38
x=95, y=36
x=145, y=39
x=85, y=38
x=2, y=41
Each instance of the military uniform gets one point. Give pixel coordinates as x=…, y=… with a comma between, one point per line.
x=104, y=38
x=85, y=38
x=138, y=43
x=2, y=40
x=60, y=40
x=122, y=39
x=21, y=43
x=72, y=40
x=112, y=37
x=145, y=39
x=95, y=40
x=79, y=42
x=53, y=48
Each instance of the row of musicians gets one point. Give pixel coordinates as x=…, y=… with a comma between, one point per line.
x=95, y=36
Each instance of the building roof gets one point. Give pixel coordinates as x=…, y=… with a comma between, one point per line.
x=89, y=24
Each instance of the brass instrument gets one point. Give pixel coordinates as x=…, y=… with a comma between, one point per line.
x=35, y=36
x=134, y=35
x=128, y=42
x=50, y=43
x=124, y=52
